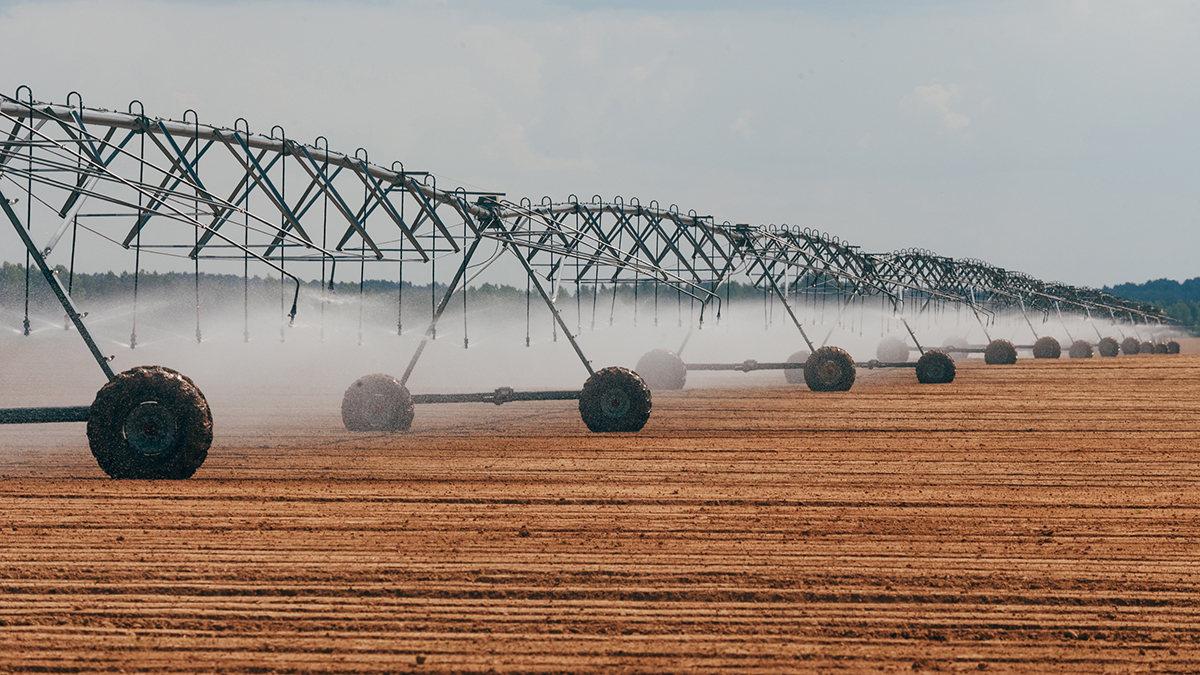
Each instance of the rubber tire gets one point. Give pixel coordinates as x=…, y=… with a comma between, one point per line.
x=1173, y=347
x=177, y=402
x=1000, y=353
x=1109, y=347
x=935, y=367
x=796, y=375
x=1047, y=348
x=1081, y=349
x=615, y=399
x=893, y=350
x=377, y=402
x=829, y=369
x=662, y=370
x=1146, y=347
x=1160, y=348
x=1130, y=346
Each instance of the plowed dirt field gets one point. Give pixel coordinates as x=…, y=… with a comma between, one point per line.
x=1041, y=517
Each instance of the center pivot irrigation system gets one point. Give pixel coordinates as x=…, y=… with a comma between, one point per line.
x=202, y=192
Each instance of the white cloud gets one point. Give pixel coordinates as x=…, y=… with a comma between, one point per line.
x=937, y=99
x=508, y=144
x=507, y=59
x=741, y=126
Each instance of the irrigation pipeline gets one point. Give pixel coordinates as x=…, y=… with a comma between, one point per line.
x=202, y=192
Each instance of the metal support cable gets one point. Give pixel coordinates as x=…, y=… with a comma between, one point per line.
x=465, y=284
x=137, y=250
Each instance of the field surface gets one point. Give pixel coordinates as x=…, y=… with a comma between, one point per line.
x=1041, y=517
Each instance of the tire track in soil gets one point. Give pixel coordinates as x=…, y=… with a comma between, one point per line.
x=1039, y=517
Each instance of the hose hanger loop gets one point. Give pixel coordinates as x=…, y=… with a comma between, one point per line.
x=27, y=90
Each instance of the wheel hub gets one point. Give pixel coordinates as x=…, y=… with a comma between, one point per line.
x=615, y=403
x=378, y=411
x=150, y=428
x=829, y=372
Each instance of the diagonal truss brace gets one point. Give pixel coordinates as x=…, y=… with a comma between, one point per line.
x=57, y=287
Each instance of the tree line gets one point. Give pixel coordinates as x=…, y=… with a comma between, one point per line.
x=111, y=287
x=1179, y=300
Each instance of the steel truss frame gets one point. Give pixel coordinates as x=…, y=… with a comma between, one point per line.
x=146, y=183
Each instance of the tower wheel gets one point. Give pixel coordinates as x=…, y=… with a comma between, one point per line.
x=615, y=399
x=377, y=402
x=150, y=422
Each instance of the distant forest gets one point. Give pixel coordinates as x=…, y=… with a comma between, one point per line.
x=174, y=296
x=106, y=286
x=1180, y=301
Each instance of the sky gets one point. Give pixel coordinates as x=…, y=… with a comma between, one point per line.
x=1054, y=137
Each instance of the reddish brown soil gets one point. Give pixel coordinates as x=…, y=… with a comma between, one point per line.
x=1042, y=517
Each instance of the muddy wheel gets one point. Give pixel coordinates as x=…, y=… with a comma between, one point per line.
x=1160, y=348
x=377, y=403
x=1000, y=353
x=1146, y=347
x=829, y=369
x=615, y=399
x=1080, y=349
x=796, y=375
x=1108, y=347
x=150, y=422
x=662, y=369
x=1130, y=346
x=1047, y=348
x=935, y=367
x=892, y=350
x=1172, y=347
